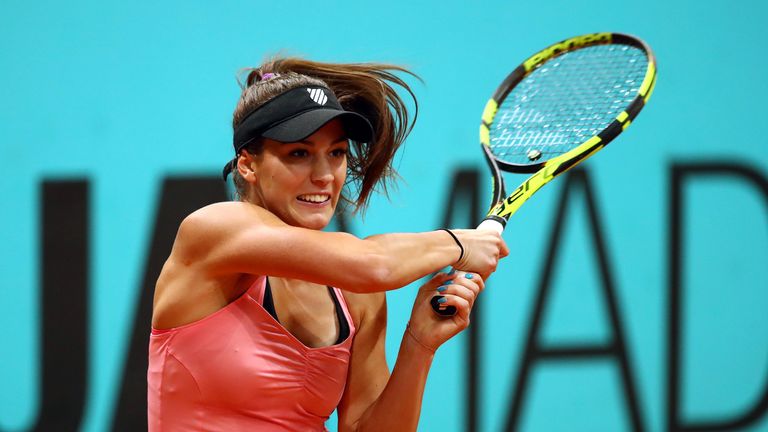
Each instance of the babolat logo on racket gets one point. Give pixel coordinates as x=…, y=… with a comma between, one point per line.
x=568, y=44
x=508, y=205
x=318, y=95
x=529, y=187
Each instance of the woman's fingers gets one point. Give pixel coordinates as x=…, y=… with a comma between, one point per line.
x=436, y=281
x=470, y=279
x=504, y=249
x=464, y=285
x=482, y=250
x=458, y=290
x=463, y=306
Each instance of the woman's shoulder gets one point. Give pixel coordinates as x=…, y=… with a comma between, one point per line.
x=223, y=214
x=227, y=209
x=215, y=223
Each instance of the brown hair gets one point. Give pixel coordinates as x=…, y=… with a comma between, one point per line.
x=365, y=88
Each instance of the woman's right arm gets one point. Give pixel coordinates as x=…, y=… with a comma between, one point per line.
x=237, y=237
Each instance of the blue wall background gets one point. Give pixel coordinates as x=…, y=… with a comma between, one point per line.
x=128, y=93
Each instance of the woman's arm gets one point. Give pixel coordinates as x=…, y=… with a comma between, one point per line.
x=374, y=400
x=236, y=237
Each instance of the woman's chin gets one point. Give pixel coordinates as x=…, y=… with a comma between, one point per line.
x=315, y=225
x=315, y=221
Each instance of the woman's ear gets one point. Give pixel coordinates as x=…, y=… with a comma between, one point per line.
x=246, y=166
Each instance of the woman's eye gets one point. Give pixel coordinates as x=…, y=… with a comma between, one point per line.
x=299, y=153
x=339, y=152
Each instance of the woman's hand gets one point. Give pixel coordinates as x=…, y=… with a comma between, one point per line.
x=458, y=289
x=482, y=251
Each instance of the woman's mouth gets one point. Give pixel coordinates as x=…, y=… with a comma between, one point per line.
x=314, y=198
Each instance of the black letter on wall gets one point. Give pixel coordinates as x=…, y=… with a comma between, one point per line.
x=681, y=172
x=464, y=194
x=534, y=352
x=64, y=304
x=180, y=197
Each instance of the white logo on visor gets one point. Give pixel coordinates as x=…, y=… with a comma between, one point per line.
x=318, y=95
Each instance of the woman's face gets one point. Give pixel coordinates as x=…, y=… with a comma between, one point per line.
x=301, y=182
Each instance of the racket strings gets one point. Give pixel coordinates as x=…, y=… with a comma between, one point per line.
x=566, y=101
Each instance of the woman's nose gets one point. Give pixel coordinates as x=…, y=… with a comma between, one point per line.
x=322, y=171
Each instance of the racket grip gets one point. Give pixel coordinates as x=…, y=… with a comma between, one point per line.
x=492, y=223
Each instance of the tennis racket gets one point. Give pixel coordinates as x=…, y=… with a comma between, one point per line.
x=555, y=110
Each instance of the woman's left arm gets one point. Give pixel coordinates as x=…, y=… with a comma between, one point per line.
x=375, y=400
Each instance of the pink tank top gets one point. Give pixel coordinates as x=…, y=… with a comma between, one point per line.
x=239, y=369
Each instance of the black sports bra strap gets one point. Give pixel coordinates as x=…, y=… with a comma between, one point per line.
x=343, y=324
x=269, y=303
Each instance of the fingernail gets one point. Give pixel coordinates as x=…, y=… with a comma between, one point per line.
x=453, y=270
x=442, y=300
x=442, y=288
x=469, y=275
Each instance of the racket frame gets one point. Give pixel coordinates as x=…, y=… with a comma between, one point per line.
x=502, y=208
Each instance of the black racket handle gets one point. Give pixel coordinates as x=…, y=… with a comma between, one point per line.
x=489, y=223
x=447, y=311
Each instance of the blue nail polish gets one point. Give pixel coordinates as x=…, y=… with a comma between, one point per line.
x=469, y=275
x=442, y=289
x=442, y=300
x=453, y=270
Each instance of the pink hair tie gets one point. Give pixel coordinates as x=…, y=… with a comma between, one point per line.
x=267, y=76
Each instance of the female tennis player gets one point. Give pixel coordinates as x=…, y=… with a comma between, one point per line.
x=264, y=322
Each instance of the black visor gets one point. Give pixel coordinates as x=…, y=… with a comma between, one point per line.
x=295, y=115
